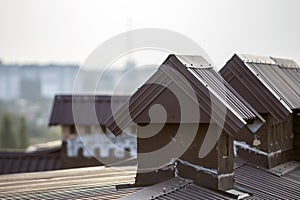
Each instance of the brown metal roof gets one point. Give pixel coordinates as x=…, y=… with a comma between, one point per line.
x=178, y=188
x=40, y=160
x=216, y=83
x=264, y=184
x=100, y=182
x=195, y=192
x=206, y=84
x=84, y=109
x=83, y=183
x=273, y=84
x=293, y=176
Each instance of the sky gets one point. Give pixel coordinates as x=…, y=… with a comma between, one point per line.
x=63, y=31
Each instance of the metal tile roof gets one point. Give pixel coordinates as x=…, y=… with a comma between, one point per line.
x=39, y=160
x=265, y=185
x=195, y=192
x=206, y=84
x=100, y=182
x=281, y=77
x=217, y=84
x=284, y=82
x=84, y=109
x=83, y=183
x=272, y=85
x=293, y=176
x=178, y=188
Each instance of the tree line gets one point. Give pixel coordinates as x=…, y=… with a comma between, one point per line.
x=13, y=133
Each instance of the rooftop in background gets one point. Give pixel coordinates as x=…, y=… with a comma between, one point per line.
x=41, y=159
x=83, y=109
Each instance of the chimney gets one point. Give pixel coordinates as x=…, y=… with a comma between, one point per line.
x=274, y=97
x=185, y=131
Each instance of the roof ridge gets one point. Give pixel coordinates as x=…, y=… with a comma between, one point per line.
x=269, y=60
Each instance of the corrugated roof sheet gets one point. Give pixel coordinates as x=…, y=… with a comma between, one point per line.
x=216, y=83
x=100, y=182
x=281, y=76
x=265, y=185
x=293, y=176
x=84, y=109
x=272, y=85
x=206, y=84
x=35, y=161
x=83, y=183
x=194, y=192
x=285, y=82
x=178, y=188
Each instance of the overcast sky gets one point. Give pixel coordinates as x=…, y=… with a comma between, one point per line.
x=68, y=31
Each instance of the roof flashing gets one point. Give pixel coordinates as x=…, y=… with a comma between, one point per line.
x=256, y=59
x=192, y=61
x=286, y=63
x=285, y=168
x=281, y=62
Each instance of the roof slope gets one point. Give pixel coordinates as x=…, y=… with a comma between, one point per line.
x=213, y=95
x=178, y=188
x=100, y=182
x=84, y=109
x=82, y=183
x=264, y=184
x=275, y=82
x=97, y=183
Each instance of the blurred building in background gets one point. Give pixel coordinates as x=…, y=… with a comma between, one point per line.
x=35, y=81
x=29, y=90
